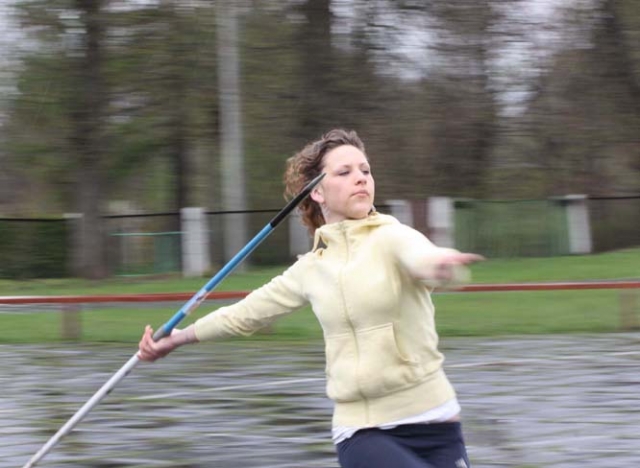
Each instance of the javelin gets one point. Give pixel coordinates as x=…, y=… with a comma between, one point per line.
x=166, y=329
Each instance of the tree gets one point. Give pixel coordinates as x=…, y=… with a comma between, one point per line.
x=585, y=113
x=106, y=95
x=87, y=138
x=462, y=95
x=57, y=121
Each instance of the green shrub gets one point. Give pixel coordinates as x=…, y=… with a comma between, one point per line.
x=33, y=249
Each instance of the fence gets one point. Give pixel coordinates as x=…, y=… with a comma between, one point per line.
x=153, y=243
x=615, y=222
x=140, y=244
x=534, y=228
x=568, y=225
x=34, y=248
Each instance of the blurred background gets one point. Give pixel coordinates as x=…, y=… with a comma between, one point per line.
x=127, y=111
x=504, y=127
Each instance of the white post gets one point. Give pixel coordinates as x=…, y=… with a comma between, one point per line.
x=299, y=238
x=578, y=224
x=195, y=242
x=401, y=210
x=441, y=221
x=234, y=197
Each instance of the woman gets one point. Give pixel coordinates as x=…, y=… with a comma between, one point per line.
x=368, y=279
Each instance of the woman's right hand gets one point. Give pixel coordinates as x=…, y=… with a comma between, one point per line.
x=149, y=350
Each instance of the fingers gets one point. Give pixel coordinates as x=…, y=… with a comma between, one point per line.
x=149, y=350
x=472, y=258
x=463, y=258
x=143, y=346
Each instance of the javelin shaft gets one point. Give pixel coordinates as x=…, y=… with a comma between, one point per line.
x=201, y=295
x=166, y=329
x=82, y=412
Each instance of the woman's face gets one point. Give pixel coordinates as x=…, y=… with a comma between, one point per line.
x=348, y=189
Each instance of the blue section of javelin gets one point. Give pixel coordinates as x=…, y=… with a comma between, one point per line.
x=217, y=279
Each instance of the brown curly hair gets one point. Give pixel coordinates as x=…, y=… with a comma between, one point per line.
x=308, y=163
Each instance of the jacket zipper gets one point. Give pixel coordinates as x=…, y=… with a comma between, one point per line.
x=350, y=322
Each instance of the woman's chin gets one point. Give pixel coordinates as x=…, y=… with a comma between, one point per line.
x=361, y=212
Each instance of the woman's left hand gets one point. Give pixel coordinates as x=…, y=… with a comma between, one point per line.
x=445, y=267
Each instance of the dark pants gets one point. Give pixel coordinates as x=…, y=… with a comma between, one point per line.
x=438, y=445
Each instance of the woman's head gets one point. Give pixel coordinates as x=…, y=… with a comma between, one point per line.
x=346, y=192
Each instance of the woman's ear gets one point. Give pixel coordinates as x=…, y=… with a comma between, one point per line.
x=317, y=196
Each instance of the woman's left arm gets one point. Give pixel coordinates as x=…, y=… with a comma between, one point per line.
x=433, y=265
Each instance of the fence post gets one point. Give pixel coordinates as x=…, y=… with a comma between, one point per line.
x=629, y=310
x=578, y=225
x=299, y=239
x=195, y=243
x=441, y=221
x=71, y=327
x=401, y=209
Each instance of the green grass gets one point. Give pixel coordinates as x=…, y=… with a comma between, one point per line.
x=613, y=265
x=134, y=284
x=458, y=314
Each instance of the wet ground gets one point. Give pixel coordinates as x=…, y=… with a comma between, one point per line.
x=560, y=401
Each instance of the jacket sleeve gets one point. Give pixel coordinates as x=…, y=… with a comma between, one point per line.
x=281, y=296
x=420, y=258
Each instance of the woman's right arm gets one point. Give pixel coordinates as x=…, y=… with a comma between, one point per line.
x=282, y=295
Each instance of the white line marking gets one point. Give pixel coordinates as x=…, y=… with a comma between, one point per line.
x=160, y=396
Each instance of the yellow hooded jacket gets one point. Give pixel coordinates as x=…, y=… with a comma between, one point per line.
x=368, y=282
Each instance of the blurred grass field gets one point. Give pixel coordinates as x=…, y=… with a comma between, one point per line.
x=458, y=314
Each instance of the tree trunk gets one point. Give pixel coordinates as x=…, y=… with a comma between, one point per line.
x=317, y=112
x=88, y=142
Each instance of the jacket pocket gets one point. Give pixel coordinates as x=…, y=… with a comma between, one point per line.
x=383, y=368
x=341, y=361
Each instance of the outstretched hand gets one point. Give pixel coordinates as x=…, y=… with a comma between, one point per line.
x=445, y=267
